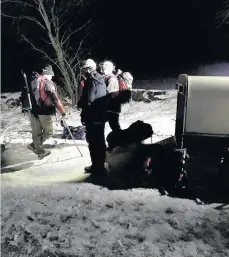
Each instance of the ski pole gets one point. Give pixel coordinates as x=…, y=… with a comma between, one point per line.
x=70, y=133
x=27, y=88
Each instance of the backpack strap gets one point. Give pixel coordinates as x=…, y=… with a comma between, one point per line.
x=107, y=78
x=42, y=94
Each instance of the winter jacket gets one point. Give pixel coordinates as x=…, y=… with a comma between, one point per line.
x=93, y=101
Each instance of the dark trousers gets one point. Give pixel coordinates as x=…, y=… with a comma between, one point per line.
x=113, y=120
x=96, y=143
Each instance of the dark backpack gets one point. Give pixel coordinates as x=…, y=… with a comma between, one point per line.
x=94, y=88
x=135, y=133
x=98, y=87
x=94, y=99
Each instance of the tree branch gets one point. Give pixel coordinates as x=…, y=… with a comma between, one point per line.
x=47, y=42
x=52, y=17
x=77, y=52
x=22, y=17
x=17, y=2
x=223, y=16
x=41, y=51
x=75, y=31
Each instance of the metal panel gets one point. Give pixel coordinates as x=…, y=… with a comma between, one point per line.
x=207, y=105
x=181, y=103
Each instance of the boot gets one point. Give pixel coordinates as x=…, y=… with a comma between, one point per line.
x=32, y=148
x=89, y=169
x=43, y=154
x=100, y=177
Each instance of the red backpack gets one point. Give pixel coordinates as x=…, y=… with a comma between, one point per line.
x=125, y=80
x=37, y=79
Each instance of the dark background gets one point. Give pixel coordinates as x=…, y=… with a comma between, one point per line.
x=148, y=38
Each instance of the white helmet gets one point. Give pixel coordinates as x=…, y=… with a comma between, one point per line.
x=89, y=64
x=108, y=67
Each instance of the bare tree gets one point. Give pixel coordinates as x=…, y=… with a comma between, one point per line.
x=56, y=21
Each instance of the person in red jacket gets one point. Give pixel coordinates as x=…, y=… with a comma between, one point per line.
x=44, y=101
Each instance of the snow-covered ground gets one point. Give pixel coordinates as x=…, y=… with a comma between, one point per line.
x=81, y=219
x=16, y=133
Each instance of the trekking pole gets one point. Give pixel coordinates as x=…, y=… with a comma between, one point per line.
x=56, y=120
x=70, y=133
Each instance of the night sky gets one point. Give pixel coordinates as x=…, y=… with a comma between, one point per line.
x=148, y=38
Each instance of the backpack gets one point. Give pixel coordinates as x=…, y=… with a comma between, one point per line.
x=93, y=101
x=135, y=133
x=98, y=88
x=35, y=86
x=125, y=80
x=38, y=92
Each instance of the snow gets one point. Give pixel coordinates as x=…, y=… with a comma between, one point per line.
x=43, y=218
x=84, y=220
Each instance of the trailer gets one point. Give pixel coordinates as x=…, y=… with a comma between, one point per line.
x=194, y=162
x=202, y=133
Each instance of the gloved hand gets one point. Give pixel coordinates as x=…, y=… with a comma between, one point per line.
x=84, y=117
x=79, y=105
x=63, y=114
x=62, y=123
